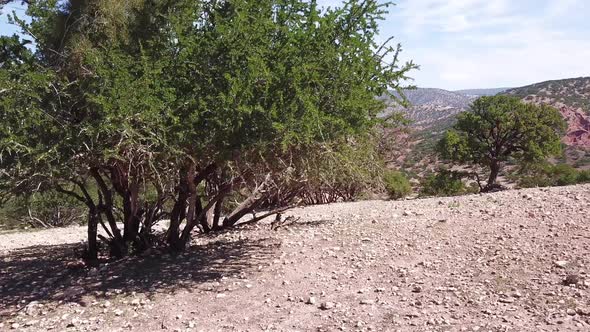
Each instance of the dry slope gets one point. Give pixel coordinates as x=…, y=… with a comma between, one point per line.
x=509, y=261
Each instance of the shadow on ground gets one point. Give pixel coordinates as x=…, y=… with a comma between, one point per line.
x=53, y=274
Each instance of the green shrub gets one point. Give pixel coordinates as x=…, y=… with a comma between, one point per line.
x=48, y=209
x=564, y=175
x=396, y=184
x=547, y=175
x=444, y=183
x=584, y=176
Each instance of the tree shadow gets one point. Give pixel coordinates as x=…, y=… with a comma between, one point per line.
x=53, y=273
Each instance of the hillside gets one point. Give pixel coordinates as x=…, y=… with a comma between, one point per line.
x=481, y=92
x=573, y=93
x=433, y=111
x=509, y=261
x=572, y=98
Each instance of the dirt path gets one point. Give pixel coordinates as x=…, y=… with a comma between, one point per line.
x=496, y=262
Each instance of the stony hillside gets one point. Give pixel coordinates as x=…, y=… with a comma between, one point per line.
x=509, y=261
x=573, y=92
x=433, y=108
x=571, y=97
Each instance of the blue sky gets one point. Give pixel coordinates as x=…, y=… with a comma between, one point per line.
x=483, y=43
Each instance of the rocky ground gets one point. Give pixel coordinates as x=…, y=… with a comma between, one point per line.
x=509, y=261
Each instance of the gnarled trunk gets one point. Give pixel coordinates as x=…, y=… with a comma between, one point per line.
x=494, y=171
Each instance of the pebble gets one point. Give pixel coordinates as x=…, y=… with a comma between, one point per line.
x=327, y=305
x=561, y=264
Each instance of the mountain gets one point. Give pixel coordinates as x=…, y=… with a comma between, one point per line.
x=433, y=111
x=432, y=108
x=481, y=92
x=572, y=98
x=573, y=93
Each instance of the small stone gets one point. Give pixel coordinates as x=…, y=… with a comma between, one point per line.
x=220, y=295
x=118, y=312
x=506, y=300
x=572, y=279
x=417, y=289
x=311, y=300
x=561, y=264
x=570, y=312
x=15, y=326
x=367, y=302
x=327, y=305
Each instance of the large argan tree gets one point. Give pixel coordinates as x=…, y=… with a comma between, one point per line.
x=499, y=128
x=201, y=112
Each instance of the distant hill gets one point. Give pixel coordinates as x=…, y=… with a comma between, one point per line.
x=573, y=92
x=433, y=111
x=572, y=98
x=433, y=108
x=481, y=92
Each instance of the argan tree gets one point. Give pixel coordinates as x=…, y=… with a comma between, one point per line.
x=200, y=112
x=499, y=128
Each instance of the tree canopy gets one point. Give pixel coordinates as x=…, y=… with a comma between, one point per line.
x=499, y=128
x=196, y=111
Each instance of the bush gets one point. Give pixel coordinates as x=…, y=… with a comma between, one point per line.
x=396, y=184
x=564, y=175
x=48, y=209
x=444, y=183
x=584, y=176
x=546, y=175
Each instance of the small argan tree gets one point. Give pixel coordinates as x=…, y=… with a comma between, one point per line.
x=499, y=128
x=194, y=111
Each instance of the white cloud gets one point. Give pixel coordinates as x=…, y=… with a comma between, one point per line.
x=492, y=43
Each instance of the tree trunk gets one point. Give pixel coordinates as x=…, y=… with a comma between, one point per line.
x=92, y=254
x=176, y=217
x=494, y=171
x=107, y=207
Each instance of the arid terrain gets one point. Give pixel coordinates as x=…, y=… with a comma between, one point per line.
x=508, y=261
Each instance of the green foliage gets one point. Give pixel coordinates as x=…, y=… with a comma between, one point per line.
x=500, y=128
x=547, y=175
x=172, y=108
x=445, y=183
x=47, y=209
x=396, y=184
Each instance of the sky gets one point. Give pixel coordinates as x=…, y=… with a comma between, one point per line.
x=464, y=44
